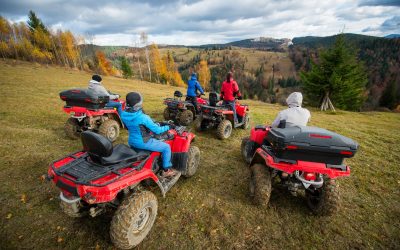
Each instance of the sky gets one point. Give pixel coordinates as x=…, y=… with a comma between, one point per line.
x=195, y=22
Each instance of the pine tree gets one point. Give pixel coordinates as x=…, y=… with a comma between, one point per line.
x=35, y=23
x=126, y=68
x=338, y=77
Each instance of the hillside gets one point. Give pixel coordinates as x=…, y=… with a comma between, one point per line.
x=379, y=55
x=212, y=210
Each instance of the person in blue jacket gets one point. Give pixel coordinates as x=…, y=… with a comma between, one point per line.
x=140, y=127
x=193, y=87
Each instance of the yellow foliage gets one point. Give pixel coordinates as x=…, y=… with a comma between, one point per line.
x=104, y=65
x=4, y=26
x=204, y=74
x=4, y=49
x=69, y=44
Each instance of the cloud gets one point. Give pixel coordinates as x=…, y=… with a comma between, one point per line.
x=379, y=3
x=207, y=21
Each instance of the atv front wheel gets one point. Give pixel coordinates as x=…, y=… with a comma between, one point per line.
x=324, y=200
x=224, y=129
x=185, y=117
x=167, y=114
x=260, y=185
x=200, y=124
x=133, y=219
x=72, y=128
x=246, y=122
x=109, y=129
x=192, y=162
x=248, y=148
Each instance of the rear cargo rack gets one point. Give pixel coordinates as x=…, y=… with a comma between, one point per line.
x=84, y=171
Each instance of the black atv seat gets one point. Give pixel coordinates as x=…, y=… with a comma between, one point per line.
x=101, y=151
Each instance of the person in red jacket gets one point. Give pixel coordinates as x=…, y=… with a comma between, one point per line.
x=229, y=91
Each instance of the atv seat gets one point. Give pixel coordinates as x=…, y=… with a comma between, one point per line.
x=101, y=151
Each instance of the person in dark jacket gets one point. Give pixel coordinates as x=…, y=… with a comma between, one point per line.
x=193, y=87
x=140, y=126
x=229, y=91
x=96, y=87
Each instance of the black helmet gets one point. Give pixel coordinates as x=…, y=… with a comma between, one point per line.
x=134, y=101
x=97, y=78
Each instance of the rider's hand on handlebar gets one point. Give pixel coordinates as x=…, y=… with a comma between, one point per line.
x=240, y=98
x=172, y=126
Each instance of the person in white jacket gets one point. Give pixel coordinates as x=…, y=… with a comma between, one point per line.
x=295, y=115
x=96, y=86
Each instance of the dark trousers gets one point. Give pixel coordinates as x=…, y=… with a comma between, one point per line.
x=193, y=100
x=232, y=105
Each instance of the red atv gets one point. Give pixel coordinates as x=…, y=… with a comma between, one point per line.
x=101, y=178
x=306, y=158
x=182, y=111
x=88, y=112
x=221, y=117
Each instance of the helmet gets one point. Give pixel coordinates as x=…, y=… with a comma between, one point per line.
x=97, y=78
x=134, y=101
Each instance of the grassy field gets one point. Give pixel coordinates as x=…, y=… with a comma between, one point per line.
x=212, y=210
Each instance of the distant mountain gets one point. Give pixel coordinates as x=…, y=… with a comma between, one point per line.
x=393, y=36
x=261, y=43
x=327, y=41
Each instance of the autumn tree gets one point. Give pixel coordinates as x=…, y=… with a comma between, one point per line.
x=158, y=66
x=143, y=39
x=204, y=74
x=104, y=66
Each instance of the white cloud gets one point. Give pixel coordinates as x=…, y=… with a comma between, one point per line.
x=209, y=21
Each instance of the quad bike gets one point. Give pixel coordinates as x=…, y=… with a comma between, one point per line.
x=103, y=178
x=301, y=158
x=221, y=117
x=88, y=112
x=182, y=111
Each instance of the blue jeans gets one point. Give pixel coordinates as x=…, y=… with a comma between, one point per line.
x=116, y=105
x=159, y=146
x=232, y=105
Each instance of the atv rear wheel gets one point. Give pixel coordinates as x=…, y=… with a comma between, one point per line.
x=260, y=184
x=133, y=219
x=248, y=148
x=246, y=122
x=167, y=114
x=185, y=117
x=224, y=129
x=109, y=129
x=324, y=200
x=192, y=162
x=72, y=128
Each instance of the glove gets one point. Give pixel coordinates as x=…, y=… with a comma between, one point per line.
x=172, y=126
x=240, y=98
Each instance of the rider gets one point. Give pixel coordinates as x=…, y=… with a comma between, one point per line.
x=229, y=90
x=96, y=86
x=295, y=115
x=141, y=127
x=193, y=87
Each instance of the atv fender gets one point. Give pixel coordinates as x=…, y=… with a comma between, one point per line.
x=116, y=117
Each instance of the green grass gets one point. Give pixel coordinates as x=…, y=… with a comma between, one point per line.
x=210, y=210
